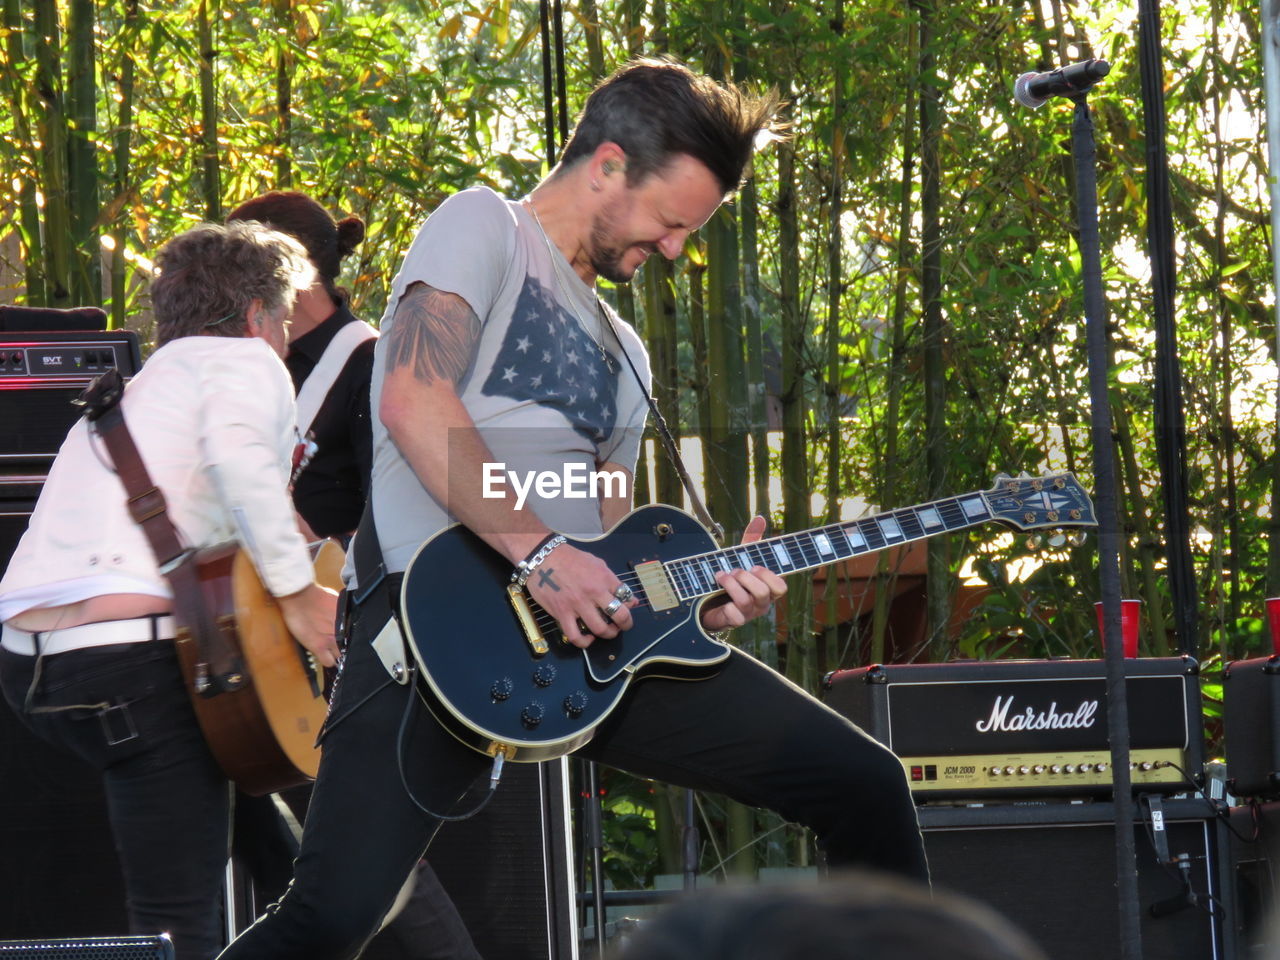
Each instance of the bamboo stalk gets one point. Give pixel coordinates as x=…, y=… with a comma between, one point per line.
x=284, y=94
x=121, y=142
x=210, y=180
x=25, y=166
x=82, y=160
x=52, y=131
x=939, y=580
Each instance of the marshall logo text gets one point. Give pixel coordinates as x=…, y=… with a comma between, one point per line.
x=1004, y=719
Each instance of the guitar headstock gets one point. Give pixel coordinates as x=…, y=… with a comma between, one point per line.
x=1031, y=503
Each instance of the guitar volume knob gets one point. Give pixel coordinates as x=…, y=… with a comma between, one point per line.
x=501, y=689
x=531, y=715
x=574, y=704
x=544, y=675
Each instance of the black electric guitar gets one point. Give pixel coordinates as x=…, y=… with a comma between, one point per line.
x=497, y=673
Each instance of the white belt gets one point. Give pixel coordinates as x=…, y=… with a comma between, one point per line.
x=137, y=630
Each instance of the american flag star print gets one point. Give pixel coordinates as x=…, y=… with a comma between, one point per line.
x=546, y=357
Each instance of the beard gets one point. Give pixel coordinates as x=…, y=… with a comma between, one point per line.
x=606, y=253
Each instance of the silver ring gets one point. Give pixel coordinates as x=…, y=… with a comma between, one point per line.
x=623, y=593
x=614, y=606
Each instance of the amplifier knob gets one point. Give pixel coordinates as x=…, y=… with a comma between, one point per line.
x=994, y=771
x=1023, y=770
x=1055, y=768
x=1101, y=767
x=1146, y=765
x=1038, y=768
x=1069, y=768
x=1086, y=767
x=1009, y=771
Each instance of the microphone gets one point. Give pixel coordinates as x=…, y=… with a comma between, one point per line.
x=1033, y=89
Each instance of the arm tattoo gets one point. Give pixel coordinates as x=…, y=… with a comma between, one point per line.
x=433, y=332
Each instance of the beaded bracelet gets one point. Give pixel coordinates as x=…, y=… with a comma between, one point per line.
x=526, y=566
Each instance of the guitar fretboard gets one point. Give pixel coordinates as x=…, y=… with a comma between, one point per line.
x=793, y=552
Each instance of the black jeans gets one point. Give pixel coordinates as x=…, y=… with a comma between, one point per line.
x=167, y=800
x=747, y=733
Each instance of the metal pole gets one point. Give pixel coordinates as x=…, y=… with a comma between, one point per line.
x=1106, y=499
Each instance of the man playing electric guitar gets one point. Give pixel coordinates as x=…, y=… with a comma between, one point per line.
x=496, y=350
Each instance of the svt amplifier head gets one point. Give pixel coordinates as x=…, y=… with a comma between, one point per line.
x=41, y=374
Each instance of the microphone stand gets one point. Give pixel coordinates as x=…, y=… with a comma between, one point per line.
x=1084, y=153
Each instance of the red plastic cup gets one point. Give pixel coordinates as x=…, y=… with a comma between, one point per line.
x=1130, y=610
x=1273, y=621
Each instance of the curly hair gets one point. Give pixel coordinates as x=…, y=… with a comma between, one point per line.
x=656, y=109
x=207, y=277
x=302, y=218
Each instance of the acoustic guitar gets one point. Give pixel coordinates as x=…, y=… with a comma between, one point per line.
x=499, y=676
x=262, y=734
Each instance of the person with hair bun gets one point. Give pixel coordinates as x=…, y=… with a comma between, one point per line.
x=330, y=359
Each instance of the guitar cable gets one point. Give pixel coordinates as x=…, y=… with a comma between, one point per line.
x=495, y=773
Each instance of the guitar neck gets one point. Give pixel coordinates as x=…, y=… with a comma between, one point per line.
x=796, y=552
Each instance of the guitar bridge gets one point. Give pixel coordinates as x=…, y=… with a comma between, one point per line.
x=520, y=603
x=657, y=586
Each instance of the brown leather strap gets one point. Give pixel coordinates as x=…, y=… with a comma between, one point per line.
x=219, y=667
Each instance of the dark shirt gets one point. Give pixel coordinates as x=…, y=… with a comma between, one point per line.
x=331, y=491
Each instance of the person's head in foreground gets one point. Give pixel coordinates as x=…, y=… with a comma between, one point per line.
x=853, y=916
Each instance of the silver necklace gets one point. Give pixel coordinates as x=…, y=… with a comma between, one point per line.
x=605, y=356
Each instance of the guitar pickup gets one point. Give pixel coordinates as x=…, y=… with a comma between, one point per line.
x=656, y=584
x=520, y=603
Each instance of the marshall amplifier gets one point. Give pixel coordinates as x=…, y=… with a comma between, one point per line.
x=40, y=374
x=1026, y=727
x=1251, y=716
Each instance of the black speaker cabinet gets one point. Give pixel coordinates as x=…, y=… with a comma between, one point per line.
x=1251, y=718
x=1051, y=869
x=89, y=948
x=508, y=869
x=1255, y=861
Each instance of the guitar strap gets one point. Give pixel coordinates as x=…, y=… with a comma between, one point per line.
x=668, y=442
x=219, y=668
x=366, y=555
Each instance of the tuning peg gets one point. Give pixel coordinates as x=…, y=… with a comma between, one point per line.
x=1002, y=476
x=1035, y=541
x=1057, y=539
x=1024, y=475
x=1078, y=538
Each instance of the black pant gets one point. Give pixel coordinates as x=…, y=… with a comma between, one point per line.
x=747, y=733
x=167, y=800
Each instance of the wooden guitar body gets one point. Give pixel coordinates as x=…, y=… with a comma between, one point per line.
x=262, y=734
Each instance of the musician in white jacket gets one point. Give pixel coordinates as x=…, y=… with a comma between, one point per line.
x=86, y=658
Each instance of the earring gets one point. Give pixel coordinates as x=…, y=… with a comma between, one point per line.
x=608, y=167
